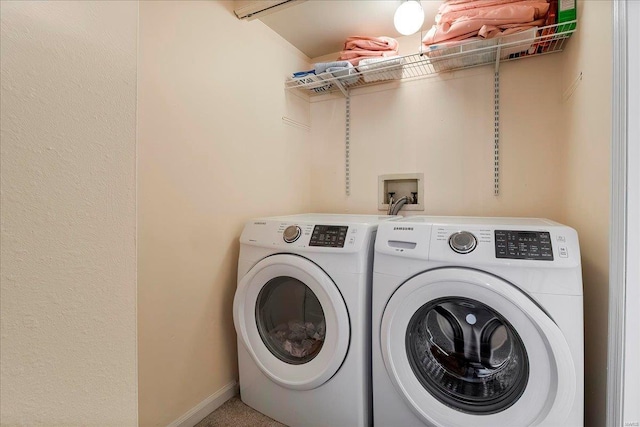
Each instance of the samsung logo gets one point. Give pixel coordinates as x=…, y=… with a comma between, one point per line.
x=403, y=228
x=260, y=223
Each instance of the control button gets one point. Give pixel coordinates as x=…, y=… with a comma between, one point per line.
x=563, y=252
x=462, y=242
x=291, y=233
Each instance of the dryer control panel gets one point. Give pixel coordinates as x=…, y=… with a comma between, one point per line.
x=291, y=236
x=332, y=236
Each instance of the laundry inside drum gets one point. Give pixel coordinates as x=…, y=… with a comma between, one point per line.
x=299, y=339
x=290, y=320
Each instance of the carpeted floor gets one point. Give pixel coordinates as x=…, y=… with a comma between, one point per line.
x=234, y=413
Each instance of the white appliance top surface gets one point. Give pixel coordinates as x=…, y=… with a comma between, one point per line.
x=470, y=220
x=318, y=233
x=329, y=219
x=540, y=255
x=505, y=242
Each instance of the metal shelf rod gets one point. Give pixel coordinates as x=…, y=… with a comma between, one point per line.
x=347, y=145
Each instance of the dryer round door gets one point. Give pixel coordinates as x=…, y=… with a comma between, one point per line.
x=292, y=320
x=466, y=348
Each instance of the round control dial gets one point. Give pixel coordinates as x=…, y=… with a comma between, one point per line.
x=463, y=242
x=291, y=233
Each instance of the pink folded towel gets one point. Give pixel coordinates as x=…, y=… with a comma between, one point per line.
x=355, y=57
x=458, y=5
x=459, y=19
x=357, y=48
x=371, y=43
x=516, y=10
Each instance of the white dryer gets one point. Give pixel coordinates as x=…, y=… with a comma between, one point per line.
x=302, y=312
x=477, y=322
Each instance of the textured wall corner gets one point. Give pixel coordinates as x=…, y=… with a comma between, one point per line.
x=213, y=152
x=68, y=257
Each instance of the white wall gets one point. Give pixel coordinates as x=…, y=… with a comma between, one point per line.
x=586, y=181
x=68, y=269
x=442, y=126
x=213, y=152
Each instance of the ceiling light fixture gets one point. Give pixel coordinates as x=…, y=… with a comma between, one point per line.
x=409, y=17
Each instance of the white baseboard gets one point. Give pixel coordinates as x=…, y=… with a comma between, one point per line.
x=207, y=406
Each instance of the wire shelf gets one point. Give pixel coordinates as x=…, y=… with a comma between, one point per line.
x=526, y=44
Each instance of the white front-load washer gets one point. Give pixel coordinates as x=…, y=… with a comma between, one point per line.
x=477, y=322
x=302, y=312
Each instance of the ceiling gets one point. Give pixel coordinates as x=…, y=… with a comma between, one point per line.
x=320, y=27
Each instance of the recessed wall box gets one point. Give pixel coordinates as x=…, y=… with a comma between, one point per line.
x=398, y=186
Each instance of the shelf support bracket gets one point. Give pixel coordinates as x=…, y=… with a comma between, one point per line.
x=496, y=125
x=342, y=88
x=347, y=144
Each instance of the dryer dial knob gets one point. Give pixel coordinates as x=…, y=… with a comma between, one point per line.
x=291, y=233
x=463, y=242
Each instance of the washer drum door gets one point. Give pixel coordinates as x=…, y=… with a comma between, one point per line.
x=292, y=320
x=466, y=348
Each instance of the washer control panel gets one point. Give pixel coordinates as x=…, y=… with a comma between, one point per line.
x=331, y=236
x=535, y=245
